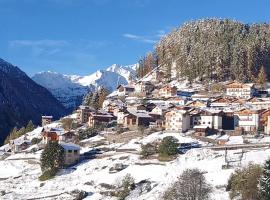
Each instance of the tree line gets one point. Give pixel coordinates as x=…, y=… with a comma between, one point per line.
x=212, y=50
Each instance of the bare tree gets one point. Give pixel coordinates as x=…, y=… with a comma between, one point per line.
x=191, y=185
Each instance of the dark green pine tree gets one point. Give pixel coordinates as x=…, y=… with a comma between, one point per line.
x=265, y=182
x=95, y=100
x=30, y=127
x=52, y=158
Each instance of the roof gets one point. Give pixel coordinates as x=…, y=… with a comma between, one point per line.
x=224, y=137
x=47, y=117
x=141, y=114
x=201, y=126
x=246, y=111
x=70, y=146
x=236, y=84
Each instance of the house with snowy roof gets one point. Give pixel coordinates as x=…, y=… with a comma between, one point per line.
x=83, y=113
x=240, y=90
x=125, y=90
x=99, y=118
x=167, y=91
x=51, y=134
x=71, y=153
x=45, y=120
x=19, y=144
x=135, y=118
x=247, y=119
x=177, y=119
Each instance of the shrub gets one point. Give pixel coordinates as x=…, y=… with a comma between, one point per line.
x=168, y=146
x=190, y=185
x=127, y=184
x=148, y=150
x=88, y=133
x=46, y=175
x=36, y=140
x=244, y=182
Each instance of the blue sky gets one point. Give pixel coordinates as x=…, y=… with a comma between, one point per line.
x=81, y=36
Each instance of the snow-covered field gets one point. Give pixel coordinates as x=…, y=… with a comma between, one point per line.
x=19, y=173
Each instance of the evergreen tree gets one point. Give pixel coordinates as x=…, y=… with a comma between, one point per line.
x=88, y=99
x=12, y=135
x=262, y=78
x=103, y=93
x=265, y=182
x=29, y=127
x=52, y=159
x=95, y=100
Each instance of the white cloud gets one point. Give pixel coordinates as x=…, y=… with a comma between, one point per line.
x=139, y=38
x=152, y=39
x=40, y=43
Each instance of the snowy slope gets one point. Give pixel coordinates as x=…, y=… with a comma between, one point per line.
x=19, y=177
x=70, y=89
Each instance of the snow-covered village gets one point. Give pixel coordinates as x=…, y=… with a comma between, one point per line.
x=214, y=131
x=188, y=120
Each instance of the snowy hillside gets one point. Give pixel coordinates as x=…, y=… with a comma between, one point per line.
x=152, y=177
x=70, y=89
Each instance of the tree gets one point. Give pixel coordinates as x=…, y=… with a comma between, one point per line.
x=265, y=182
x=29, y=127
x=191, y=185
x=95, y=100
x=67, y=123
x=12, y=135
x=52, y=159
x=168, y=146
x=244, y=182
x=103, y=93
x=87, y=99
x=262, y=78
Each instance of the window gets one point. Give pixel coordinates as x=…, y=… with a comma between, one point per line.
x=75, y=151
x=69, y=151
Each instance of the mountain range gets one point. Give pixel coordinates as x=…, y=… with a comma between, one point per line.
x=21, y=100
x=70, y=89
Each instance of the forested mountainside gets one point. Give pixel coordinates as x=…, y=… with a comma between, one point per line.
x=212, y=49
x=21, y=100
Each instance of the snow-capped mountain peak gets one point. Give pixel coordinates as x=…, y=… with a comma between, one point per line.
x=70, y=89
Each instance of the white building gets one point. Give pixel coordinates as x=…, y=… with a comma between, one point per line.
x=210, y=119
x=247, y=119
x=240, y=90
x=177, y=119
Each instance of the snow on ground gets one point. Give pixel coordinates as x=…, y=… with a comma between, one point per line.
x=19, y=178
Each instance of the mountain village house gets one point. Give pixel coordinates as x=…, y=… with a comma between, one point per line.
x=83, y=114
x=240, y=90
x=145, y=87
x=99, y=118
x=125, y=90
x=71, y=153
x=177, y=119
x=135, y=119
x=45, y=120
x=167, y=91
x=247, y=119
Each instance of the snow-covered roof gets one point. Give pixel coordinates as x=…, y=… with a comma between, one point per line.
x=47, y=117
x=141, y=113
x=70, y=146
x=201, y=126
x=224, y=137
